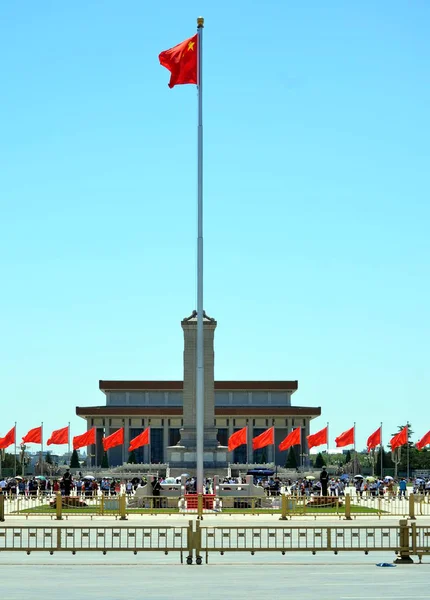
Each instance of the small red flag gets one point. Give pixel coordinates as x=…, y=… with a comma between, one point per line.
x=33, y=436
x=59, y=436
x=237, y=439
x=374, y=439
x=181, y=61
x=293, y=439
x=114, y=439
x=8, y=439
x=317, y=439
x=86, y=439
x=400, y=438
x=424, y=441
x=143, y=439
x=264, y=439
x=345, y=439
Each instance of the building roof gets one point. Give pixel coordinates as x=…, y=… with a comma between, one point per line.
x=176, y=411
x=178, y=386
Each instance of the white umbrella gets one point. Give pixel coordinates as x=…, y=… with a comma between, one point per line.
x=358, y=477
x=89, y=477
x=310, y=477
x=388, y=478
x=170, y=480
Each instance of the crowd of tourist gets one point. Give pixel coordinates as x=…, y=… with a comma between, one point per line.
x=323, y=485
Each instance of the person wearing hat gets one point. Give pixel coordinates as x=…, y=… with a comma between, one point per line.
x=324, y=482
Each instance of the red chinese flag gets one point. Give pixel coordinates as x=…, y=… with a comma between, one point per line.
x=317, y=439
x=345, y=439
x=143, y=439
x=264, y=439
x=114, y=439
x=33, y=436
x=424, y=441
x=237, y=439
x=400, y=439
x=374, y=440
x=181, y=61
x=86, y=439
x=59, y=436
x=293, y=439
x=8, y=439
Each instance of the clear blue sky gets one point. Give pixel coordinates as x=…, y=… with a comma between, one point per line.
x=316, y=203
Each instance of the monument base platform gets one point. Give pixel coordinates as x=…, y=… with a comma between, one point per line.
x=185, y=457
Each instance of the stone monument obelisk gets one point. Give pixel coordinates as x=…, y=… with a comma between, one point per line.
x=184, y=453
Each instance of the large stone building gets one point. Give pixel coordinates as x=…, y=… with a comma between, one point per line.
x=168, y=407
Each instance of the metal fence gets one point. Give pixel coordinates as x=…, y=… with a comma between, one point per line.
x=287, y=507
x=103, y=539
x=198, y=542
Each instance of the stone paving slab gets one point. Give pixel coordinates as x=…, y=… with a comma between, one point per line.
x=116, y=576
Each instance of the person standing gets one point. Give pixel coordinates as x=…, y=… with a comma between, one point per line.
x=324, y=482
x=67, y=481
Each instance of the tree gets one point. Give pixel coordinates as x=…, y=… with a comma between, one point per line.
x=319, y=461
x=132, y=458
x=105, y=461
x=48, y=458
x=8, y=462
x=74, y=461
x=348, y=456
x=291, y=462
x=387, y=462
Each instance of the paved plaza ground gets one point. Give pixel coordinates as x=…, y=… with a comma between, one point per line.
x=264, y=576
x=92, y=575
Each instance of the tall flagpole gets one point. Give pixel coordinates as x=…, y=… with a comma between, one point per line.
x=407, y=450
x=328, y=455
x=200, y=378
x=14, y=456
x=68, y=438
x=41, y=449
x=354, y=463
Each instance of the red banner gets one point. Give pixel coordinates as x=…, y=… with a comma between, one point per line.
x=374, y=439
x=143, y=439
x=264, y=439
x=86, y=439
x=59, y=436
x=8, y=439
x=294, y=438
x=114, y=439
x=400, y=439
x=424, y=441
x=317, y=439
x=238, y=438
x=33, y=436
x=346, y=438
x=181, y=61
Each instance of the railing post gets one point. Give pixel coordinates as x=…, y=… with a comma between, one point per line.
x=412, y=506
x=122, y=508
x=197, y=537
x=190, y=543
x=58, y=506
x=200, y=506
x=283, y=516
x=1, y=507
x=58, y=538
x=348, y=507
x=253, y=505
x=405, y=549
x=102, y=504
